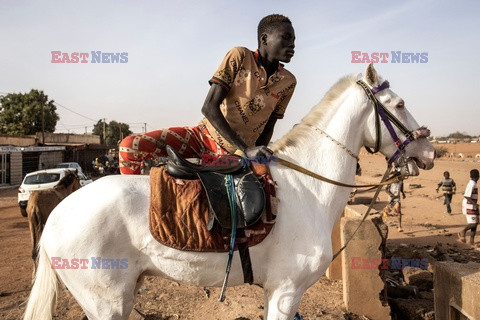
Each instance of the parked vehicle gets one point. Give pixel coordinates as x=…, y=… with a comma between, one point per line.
x=42, y=180
x=69, y=165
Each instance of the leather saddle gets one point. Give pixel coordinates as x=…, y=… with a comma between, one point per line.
x=250, y=196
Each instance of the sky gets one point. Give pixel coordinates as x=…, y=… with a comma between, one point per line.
x=174, y=47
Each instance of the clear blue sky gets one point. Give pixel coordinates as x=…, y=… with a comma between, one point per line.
x=175, y=46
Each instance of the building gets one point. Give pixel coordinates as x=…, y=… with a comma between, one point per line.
x=20, y=155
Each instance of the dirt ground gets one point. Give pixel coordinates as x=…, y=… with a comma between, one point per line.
x=425, y=226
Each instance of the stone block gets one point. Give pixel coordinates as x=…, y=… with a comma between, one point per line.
x=334, y=271
x=457, y=290
x=363, y=287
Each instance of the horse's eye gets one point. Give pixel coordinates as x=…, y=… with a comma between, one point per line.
x=401, y=105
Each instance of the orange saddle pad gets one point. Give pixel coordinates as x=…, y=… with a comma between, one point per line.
x=179, y=215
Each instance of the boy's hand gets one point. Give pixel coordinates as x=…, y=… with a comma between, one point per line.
x=259, y=152
x=436, y=190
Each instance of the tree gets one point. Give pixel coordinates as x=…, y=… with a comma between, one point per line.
x=21, y=113
x=114, y=131
x=459, y=135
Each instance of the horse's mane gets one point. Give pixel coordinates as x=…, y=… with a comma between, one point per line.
x=317, y=114
x=69, y=178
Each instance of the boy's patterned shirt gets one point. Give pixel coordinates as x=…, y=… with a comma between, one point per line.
x=252, y=98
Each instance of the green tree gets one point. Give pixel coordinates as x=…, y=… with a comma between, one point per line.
x=114, y=131
x=21, y=113
x=459, y=135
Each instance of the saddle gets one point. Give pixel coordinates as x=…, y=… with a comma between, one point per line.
x=228, y=183
x=250, y=197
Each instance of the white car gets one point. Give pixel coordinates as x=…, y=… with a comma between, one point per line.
x=69, y=165
x=42, y=180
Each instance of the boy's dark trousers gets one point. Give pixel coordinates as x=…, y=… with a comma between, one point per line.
x=447, y=200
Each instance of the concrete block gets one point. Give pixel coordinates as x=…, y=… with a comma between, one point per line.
x=334, y=271
x=355, y=211
x=457, y=290
x=363, y=287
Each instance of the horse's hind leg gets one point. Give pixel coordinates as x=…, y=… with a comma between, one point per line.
x=108, y=297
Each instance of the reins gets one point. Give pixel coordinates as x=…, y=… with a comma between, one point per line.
x=291, y=165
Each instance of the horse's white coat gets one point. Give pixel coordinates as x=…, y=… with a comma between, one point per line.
x=109, y=219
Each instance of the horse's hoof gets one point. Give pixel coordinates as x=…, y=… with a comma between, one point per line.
x=297, y=316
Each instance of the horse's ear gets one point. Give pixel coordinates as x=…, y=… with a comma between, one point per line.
x=371, y=76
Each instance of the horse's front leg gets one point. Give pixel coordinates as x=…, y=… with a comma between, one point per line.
x=281, y=303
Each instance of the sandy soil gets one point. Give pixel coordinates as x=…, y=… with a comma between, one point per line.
x=425, y=224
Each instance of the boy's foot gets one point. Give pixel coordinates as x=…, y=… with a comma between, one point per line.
x=400, y=229
x=461, y=238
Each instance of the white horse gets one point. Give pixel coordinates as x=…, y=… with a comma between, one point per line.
x=109, y=218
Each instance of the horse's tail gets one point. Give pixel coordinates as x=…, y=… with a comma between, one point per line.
x=43, y=296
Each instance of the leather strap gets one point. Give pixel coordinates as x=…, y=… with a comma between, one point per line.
x=291, y=165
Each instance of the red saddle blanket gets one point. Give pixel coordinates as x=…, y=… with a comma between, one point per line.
x=179, y=215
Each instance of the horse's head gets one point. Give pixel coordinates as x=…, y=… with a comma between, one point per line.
x=399, y=136
x=70, y=180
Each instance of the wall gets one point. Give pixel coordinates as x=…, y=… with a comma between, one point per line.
x=19, y=141
x=16, y=168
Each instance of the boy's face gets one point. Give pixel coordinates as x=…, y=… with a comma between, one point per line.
x=446, y=175
x=280, y=43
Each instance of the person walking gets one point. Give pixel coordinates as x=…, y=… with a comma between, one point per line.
x=470, y=208
x=448, y=188
x=394, y=191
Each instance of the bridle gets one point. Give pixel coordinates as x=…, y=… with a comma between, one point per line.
x=388, y=118
x=399, y=157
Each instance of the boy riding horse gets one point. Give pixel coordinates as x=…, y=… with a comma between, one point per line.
x=249, y=91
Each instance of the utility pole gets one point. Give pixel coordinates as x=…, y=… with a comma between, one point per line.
x=104, y=133
x=144, y=127
x=43, y=125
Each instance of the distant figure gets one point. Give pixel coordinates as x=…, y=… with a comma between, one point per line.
x=394, y=190
x=470, y=208
x=448, y=188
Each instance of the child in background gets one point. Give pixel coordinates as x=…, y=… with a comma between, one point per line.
x=448, y=188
